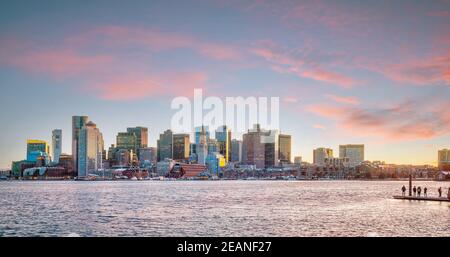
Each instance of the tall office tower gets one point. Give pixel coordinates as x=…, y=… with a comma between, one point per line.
x=223, y=137
x=141, y=136
x=202, y=146
x=444, y=159
x=90, y=149
x=320, y=154
x=260, y=147
x=284, y=151
x=236, y=150
x=354, y=153
x=165, y=145
x=181, y=145
x=78, y=122
x=37, y=149
x=201, y=131
x=56, y=144
x=127, y=141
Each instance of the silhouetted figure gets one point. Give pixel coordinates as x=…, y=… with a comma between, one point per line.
x=414, y=190
x=440, y=191
x=419, y=190
x=425, y=192
x=403, y=190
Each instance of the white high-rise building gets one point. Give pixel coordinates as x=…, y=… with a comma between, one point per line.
x=354, y=153
x=56, y=144
x=90, y=149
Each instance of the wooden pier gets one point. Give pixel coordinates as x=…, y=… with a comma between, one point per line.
x=435, y=199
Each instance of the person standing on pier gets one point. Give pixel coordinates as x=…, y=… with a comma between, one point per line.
x=414, y=190
x=403, y=190
x=425, y=192
x=419, y=190
x=440, y=191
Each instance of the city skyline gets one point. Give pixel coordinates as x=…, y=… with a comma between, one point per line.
x=377, y=77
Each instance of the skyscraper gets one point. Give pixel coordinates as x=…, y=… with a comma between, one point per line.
x=56, y=144
x=90, y=149
x=320, y=154
x=202, y=145
x=284, y=149
x=127, y=141
x=354, y=153
x=444, y=159
x=181, y=145
x=164, y=145
x=201, y=131
x=223, y=137
x=260, y=147
x=78, y=123
x=141, y=136
x=236, y=150
x=37, y=148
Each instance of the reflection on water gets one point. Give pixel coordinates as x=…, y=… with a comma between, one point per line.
x=218, y=208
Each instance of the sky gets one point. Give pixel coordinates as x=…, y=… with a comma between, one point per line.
x=369, y=72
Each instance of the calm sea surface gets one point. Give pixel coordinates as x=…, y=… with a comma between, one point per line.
x=218, y=208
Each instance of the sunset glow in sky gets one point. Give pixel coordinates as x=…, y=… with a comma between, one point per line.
x=371, y=72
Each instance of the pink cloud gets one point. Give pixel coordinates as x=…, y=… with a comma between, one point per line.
x=343, y=99
x=138, y=86
x=406, y=121
x=318, y=126
x=60, y=63
x=303, y=63
x=153, y=40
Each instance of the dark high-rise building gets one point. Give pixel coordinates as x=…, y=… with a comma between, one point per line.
x=56, y=144
x=284, y=148
x=78, y=123
x=141, y=136
x=223, y=137
x=260, y=147
x=236, y=150
x=127, y=141
x=181, y=144
x=164, y=145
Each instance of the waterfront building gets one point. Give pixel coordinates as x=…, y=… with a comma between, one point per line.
x=354, y=153
x=215, y=162
x=147, y=154
x=78, y=122
x=181, y=145
x=284, y=149
x=90, y=149
x=223, y=137
x=17, y=167
x=320, y=154
x=56, y=145
x=165, y=145
x=127, y=141
x=65, y=161
x=164, y=167
x=260, y=148
x=444, y=159
x=298, y=160
x=236, y=150
x=36, y=148
x=141, y=136
x=123, y=157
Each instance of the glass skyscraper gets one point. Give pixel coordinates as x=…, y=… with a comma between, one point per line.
x=56, y=144
x=78, y=123
x=90, y=149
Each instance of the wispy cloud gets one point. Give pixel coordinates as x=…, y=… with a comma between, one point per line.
x=410, y=120
x=303, y=63
x=343, y=99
